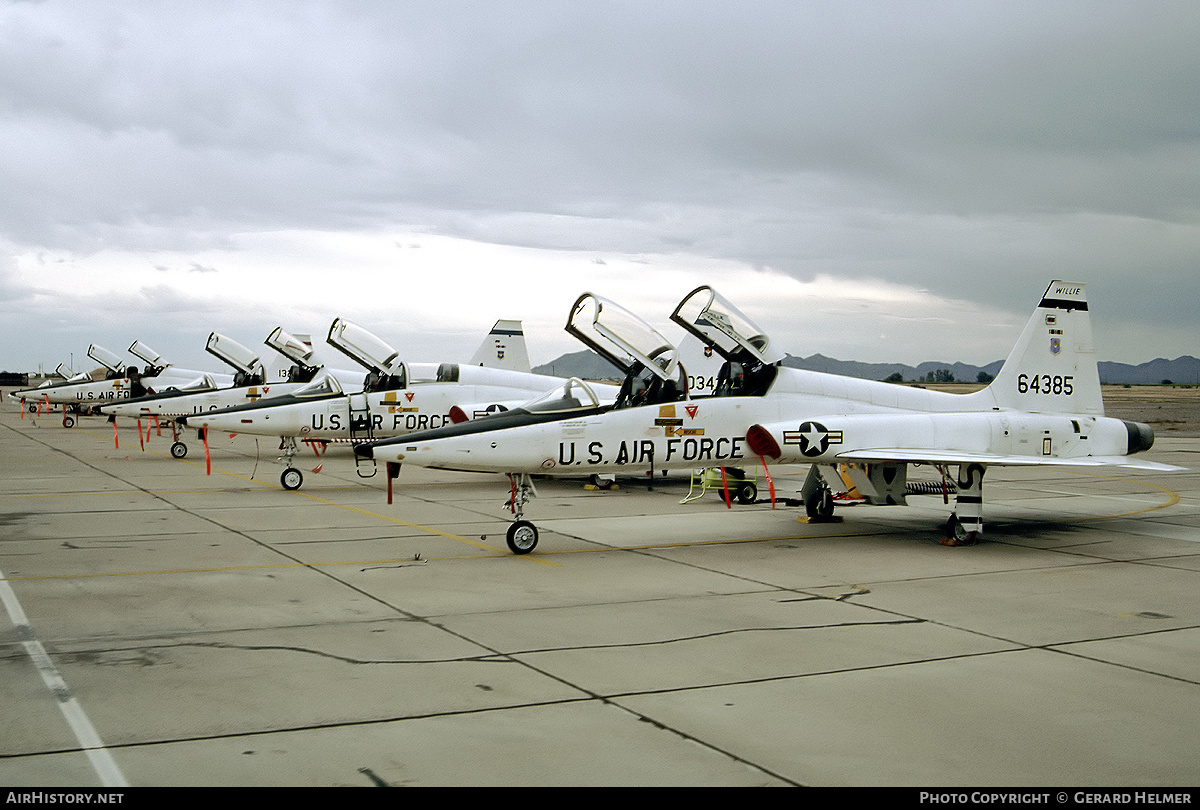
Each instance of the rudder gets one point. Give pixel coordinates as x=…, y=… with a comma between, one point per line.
x=1052, y=368
x=504, y=347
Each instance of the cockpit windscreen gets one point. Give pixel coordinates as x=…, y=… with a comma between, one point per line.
x=322, y=386
x=573, y=395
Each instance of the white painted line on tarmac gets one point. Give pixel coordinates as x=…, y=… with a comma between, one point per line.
x=103, y=763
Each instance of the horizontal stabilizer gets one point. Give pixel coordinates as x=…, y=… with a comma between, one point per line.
x=917, y=456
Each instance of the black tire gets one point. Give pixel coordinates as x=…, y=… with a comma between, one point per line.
x=291, y=479
x=747, y=492
x=819, y=505
x=522, y=537
x=68, y=421
x=956, y=531
x=602, y=482
x=178, y=450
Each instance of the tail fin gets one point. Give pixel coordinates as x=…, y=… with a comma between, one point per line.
x=1052, y=369
x=504, y=347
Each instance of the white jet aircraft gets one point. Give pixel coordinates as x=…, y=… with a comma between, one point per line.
x=1043, y=408
x=250, y=383
x=396, y=397
x=82, y=394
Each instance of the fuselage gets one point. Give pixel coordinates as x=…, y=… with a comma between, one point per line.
x=172, y=404
x=115, y=387
x=379, y=414
x=817, y=418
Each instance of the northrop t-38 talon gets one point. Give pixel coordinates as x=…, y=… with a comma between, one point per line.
x=81, y=393
x=396, y=397
x=1043, y=408
x=250, y=383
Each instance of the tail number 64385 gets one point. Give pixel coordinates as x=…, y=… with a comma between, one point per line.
x=1045, y=384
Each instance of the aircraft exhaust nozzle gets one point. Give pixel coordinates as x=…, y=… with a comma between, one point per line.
x=1141, y=437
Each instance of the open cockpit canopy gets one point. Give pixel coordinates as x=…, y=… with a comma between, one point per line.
x=709, y=316
x=290, y=346
x=143, y=352
x=621, y=337
x=296, y=350
x=653, y=374
x=154, y=364
x=366, y=349
x=105, y=358
x=231, y=352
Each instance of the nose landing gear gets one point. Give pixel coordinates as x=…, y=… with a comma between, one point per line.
x=522, y=535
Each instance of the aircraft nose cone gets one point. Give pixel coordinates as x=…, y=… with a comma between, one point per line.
x=1141, y=437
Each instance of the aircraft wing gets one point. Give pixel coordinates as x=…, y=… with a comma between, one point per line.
x=998, y=460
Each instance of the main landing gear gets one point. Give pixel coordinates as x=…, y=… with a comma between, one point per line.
x=178, y=448
x=818, y=505
x=522, y=535
x=965, y=526
x=817, y=495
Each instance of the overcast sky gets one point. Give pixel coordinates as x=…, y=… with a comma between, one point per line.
x=878, y=181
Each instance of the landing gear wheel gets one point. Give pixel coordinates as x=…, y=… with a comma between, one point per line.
x=68, y=421
x=747, y=492
x=178, y=450
x=957, y=534
x=291, y=478
x=32, y=406
x=819, y=505
x=522, y=537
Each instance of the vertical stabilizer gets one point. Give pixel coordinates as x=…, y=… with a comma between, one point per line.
x=1052, y=369
x=504, y=347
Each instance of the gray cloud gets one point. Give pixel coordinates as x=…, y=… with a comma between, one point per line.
x=976, y=150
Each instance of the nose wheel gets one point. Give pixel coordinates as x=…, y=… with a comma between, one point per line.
x=522, y=537
x=178, y=450
x=291, y=479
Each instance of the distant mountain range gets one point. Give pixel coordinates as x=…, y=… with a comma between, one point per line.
x=1185, y=370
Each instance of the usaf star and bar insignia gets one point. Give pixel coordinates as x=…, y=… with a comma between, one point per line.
x=813, y=437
